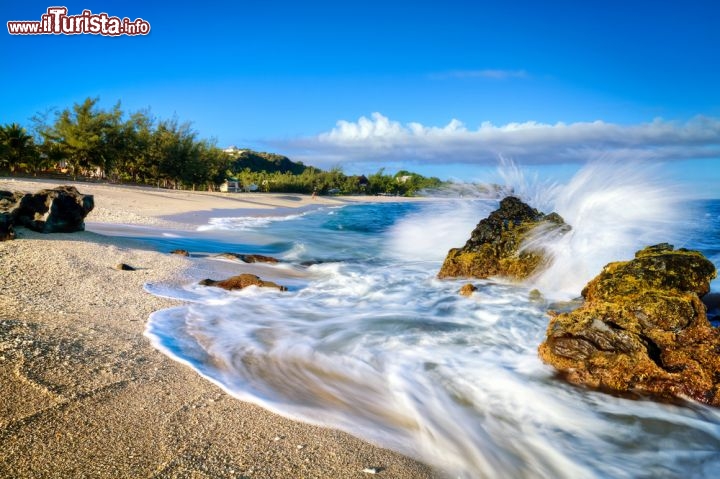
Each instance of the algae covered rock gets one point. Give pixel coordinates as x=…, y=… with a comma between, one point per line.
x=642, y=329
x=496, y=245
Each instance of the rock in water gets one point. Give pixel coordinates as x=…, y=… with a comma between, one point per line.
x=58, y=210
x=242, y=281
x=642, y=329
x=257, y=258
x=494, y=247
x=248, y=258
x=467, y=289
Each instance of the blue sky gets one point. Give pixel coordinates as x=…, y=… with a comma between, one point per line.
x=441, y=88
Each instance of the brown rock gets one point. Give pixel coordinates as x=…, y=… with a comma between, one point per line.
x=642, y=329
x=124, y=267
x=242, y=281
x=468, y=289
x=181, y=252
x=249, y=258
x=258, y=258
x=495, y=245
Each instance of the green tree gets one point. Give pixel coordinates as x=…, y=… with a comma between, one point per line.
x=132, y=161
x=17, y=148
x=90, y=138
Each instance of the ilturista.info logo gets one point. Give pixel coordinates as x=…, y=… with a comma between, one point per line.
x=56, y=21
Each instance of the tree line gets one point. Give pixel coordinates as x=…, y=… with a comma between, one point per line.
x=90, y=142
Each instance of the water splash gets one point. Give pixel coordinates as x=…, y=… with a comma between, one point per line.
x=428, y=234
x=615, y=208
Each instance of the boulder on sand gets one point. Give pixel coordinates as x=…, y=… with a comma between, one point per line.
x=57, y=210
x=642, y=329
x=497, y=245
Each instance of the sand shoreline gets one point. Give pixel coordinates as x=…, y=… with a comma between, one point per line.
x=86, y=395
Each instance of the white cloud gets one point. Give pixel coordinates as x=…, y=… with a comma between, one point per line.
x=380, y=139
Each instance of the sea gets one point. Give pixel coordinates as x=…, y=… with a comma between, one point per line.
x=368, y=340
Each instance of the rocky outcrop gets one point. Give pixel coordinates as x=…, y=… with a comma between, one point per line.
x=497, y=245
x=242, y=281
x=642, y=329
x=58, y=210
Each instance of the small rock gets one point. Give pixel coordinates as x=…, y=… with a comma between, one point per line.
x=258, y=258
x=372, y=470
x=468, y=289
x=249, y=258
x=535, y=295
x=181, y=252
x=241, y=281
x=124, y=267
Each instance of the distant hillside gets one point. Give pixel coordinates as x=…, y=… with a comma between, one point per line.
x=261, y=161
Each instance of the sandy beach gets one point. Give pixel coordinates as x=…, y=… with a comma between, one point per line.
x=86, y=395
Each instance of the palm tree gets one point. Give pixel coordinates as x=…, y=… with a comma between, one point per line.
x=17, y=146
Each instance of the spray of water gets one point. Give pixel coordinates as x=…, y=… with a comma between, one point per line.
x=615, y=208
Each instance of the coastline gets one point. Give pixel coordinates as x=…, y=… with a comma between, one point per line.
x=86, y=393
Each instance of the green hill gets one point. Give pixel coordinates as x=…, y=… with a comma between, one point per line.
x=268, y=162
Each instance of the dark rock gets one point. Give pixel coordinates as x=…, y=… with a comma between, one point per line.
x=311, y=262
x=7, y=230
x=9, y=203
x=181, y=252
x=124, y=267
x=467, y=289
x=642, y=329
x=58, y=210
x=242, y=281
x=258, y=258
x=249, y=258
x=494, y=247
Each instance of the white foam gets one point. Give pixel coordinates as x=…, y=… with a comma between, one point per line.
x=244, y=223
x=614, y=208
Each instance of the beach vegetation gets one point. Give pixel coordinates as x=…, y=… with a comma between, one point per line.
x=89, y=142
